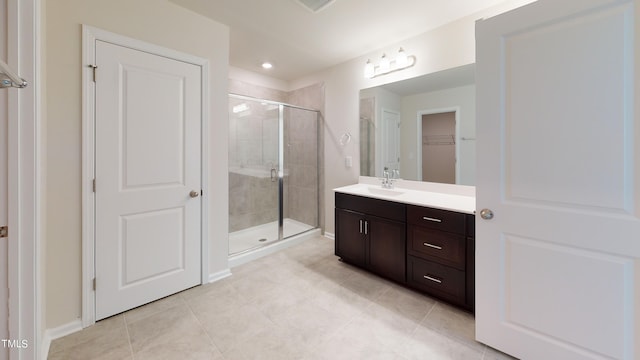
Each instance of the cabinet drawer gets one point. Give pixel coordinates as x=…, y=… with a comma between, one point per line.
x=440, y=280
x=376, y=207
x=439, y=246
x=436, y=219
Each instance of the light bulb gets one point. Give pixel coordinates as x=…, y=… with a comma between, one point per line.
x=267, y=65
x=369, y=70
x=384, y=63
x=402, y=60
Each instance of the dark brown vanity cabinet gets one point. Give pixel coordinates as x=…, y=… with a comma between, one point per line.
x=371, y=233
x=428, y=249
x=440, y=253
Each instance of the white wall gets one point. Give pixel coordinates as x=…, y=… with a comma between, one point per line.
x=253, y=78
x=461, y=97
x=446, y=47
x=155, y=21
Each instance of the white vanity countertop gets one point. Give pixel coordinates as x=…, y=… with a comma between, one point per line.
x=458, y=198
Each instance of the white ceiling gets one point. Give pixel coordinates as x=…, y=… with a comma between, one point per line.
x=299, y=42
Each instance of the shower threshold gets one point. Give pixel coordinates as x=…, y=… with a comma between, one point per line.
x=247, y=244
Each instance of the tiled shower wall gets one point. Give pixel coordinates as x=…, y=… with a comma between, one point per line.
x=253, y=196
x=301, y=159
x=252, y=201
x=367, y=137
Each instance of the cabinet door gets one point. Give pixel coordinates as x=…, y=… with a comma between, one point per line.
x=350, y=237
x=387, y=248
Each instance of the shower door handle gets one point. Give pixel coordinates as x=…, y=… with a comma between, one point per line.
x=274, y=174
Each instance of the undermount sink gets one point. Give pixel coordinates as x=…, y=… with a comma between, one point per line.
x=385, y=192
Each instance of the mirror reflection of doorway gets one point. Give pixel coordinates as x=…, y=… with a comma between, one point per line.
x=439, y=147
x=390, y=141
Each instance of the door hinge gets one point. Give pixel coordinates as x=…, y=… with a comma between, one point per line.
x=4, y=231
x=94, y=284
x=94, y=185
x=94, y=67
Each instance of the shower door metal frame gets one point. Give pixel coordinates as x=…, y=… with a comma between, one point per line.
x=280, y=172
x=281, y=106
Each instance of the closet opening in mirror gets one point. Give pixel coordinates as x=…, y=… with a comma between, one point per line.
x=437, y=136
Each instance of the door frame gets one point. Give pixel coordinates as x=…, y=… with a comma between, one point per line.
x=453, y=109
x=89, y=37
x=24, y=178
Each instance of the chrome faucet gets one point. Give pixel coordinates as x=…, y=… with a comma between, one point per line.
x=389, y=177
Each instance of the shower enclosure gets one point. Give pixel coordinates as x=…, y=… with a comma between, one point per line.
x=273, y=172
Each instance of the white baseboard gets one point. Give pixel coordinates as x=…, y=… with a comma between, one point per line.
x=56, y=333
x=219, y=275
x=329, y=235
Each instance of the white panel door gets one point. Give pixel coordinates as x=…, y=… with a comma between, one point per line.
x=148, y=120
x=390, y=140
x=557, y=267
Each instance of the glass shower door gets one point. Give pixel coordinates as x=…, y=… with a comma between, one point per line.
x=300, y=154
x=253, y=173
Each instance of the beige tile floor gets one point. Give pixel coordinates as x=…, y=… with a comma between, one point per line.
x=300, y=303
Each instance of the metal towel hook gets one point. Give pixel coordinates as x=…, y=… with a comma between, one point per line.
x=8, y=78
x=345, y=139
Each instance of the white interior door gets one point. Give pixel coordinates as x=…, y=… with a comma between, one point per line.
x=390, y=140
x=148, y=121
x=557, y=267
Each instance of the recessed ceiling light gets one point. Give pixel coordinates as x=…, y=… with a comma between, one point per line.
x=267, y=65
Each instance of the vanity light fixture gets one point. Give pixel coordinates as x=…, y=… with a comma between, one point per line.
x=386, y=66
x=402, y=59
x=369, y=70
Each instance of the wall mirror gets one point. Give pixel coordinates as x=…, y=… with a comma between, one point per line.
x=424, y=127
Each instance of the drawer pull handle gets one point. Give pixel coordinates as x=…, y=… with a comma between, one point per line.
x=432, y=219
x=433, y=246
x=433, y=279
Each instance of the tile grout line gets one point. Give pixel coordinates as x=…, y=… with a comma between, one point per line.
x=202, y=326
x=126, y=327
x=444, y=333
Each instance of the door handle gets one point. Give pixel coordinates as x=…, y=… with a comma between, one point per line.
x=194, y=193
x=486, y=214
x=274, y=174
